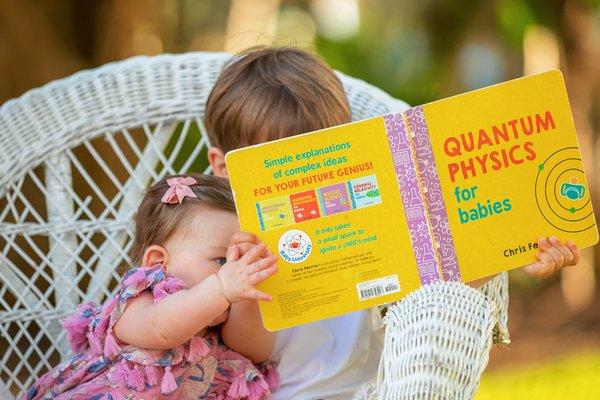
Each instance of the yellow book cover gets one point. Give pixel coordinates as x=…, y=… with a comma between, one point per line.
x=364, y=213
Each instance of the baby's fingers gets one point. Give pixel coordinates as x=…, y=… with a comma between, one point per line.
x=261, y=275
x=245, y=247
x=233, y=253
x=262, y=269
x=255, y=253
x=258, y=295
x=241, y=237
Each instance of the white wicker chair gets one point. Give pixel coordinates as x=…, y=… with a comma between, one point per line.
x=75, y=156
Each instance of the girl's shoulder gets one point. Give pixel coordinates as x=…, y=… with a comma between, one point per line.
x=154, y=279
x=90, y=327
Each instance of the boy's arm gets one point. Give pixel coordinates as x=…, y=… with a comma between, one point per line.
x=162, y=325
x=477, y=283
x=244, y=332
x=553, y=256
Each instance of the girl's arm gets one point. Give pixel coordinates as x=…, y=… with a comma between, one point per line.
x=173, y=320
x=243, y=332
x=176, y=318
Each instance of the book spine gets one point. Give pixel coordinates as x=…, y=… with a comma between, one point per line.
x=414, y=207
x=434, y=199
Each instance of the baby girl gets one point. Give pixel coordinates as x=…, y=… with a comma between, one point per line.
x=159, y=336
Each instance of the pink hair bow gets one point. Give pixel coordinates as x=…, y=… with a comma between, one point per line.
x=178, y=189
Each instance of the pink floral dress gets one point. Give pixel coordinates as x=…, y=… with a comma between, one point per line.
x=202, y=368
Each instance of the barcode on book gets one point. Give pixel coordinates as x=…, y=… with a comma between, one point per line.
x=377, y=287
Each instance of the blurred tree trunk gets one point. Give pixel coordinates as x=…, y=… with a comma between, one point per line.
x=31, y=51
x=128, y=28
x=582, y=52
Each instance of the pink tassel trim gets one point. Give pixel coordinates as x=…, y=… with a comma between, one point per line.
x=109, y=306
x=76, y=332
x=94, y=341
x=271, y=376
x=101, y=327
x=111, y=348
x=151, y=376
x=239, y=388
x=168, y=286
x=168, y=384
x=258, y=388
x=198, y=348
x=121, y=373
x=136, y=278
x=135, y=380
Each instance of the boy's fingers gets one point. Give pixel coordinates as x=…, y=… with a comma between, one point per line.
x=557, y=256
x=544, y=244
x=564, y=250
x=537, y=270
x=575, y=251
x=553, y=256
x=547, y=261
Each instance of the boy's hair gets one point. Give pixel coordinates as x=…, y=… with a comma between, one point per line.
x=156, y=222
x=267, y=93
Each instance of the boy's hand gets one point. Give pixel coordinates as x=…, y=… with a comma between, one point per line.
x=241, y=274
x=553, y=256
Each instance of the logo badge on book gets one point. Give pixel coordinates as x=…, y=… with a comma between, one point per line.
x=572, y=190
x=295, y=246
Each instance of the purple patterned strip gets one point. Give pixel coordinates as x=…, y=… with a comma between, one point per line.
x=415, y=119
x=411, y=198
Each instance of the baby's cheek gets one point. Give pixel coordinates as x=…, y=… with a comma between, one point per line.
x=197, y=273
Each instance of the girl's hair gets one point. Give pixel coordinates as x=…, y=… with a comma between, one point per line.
x=156, y=221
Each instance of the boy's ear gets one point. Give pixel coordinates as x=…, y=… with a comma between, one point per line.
x=216, y=159
x=155, y=254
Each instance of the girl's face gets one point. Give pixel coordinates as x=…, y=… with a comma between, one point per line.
x=199, y=248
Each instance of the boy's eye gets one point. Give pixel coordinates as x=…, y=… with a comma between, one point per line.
x=221, y=261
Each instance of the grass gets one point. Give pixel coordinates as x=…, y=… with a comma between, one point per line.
x=575, y=377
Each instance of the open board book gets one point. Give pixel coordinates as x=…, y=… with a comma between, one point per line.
x=362, y=214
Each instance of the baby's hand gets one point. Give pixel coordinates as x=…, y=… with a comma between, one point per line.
x=239, y=276
x=244, y=241
x=553, y=256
